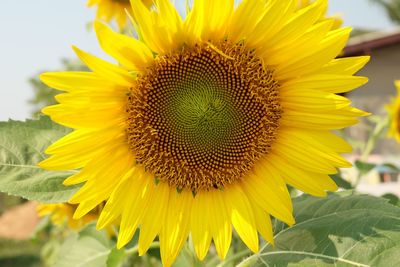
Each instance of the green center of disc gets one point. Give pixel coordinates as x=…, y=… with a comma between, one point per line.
x=201, y=113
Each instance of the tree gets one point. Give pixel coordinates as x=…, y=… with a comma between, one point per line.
x=392, y=7
x=44, y=95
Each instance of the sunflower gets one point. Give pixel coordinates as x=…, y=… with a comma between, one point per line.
x=63, y=213
x=108, y=9
x=206, y=120
x=337, y=19
x=394, y=115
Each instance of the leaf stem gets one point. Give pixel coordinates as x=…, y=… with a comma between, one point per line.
x=370, y=145
x=239, y=255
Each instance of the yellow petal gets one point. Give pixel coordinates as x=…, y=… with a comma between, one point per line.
x=160, y=30
x=85, y=98
x=84, y=138
x=344, y=66
x=86, y=206
x=301, y=158
x=208, y=20
x=336, y=119
x=175, y=227
x=323, y=140
x=154, y=216
x=105, y=69
x=269, y=191
x=92, y=170
x=245, y=19
x=76, y=81
x=220, y=223
x=92, y=2
x=77, y=178
x=242, y=216
x=81, y=117
x=300, y=46
x=89, y=198
x=121, y=18
x=309, y=62
x=331, y=83
x=263, y=222
x=104, y=173
x=277, y=13
x=67, y=161
x=134, y=206
x=200, y=227
x=297, y=25
x=128, y=51
x=312, y=183
x=169, y=16
x=113, y=208
x=303, y=141
x=305, y=100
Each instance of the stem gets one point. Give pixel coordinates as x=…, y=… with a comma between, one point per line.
x=213, y=261
x=146, y=260
x=249, y=261
x=239, y=255
x=374, y=137
x=370, y=145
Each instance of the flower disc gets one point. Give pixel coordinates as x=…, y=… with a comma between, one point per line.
x=201, y=118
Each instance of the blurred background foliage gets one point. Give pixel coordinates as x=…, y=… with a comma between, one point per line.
x=392, y=8
x=44, y=95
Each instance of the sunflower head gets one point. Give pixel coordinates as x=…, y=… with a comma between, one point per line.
x=110, y=9
x=61, y=214
x=394, y=115
x=206, y=120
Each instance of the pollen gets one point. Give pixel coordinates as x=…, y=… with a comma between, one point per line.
x=201, y=117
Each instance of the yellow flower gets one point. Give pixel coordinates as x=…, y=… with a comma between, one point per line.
x=394, y=115
x=338, y=22
x=109, y=9
x=63, y=213
x=205, y=120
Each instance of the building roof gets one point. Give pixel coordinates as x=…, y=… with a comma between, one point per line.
x=364, y=44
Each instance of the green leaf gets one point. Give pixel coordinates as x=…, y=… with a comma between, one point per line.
x=393, y=199
x=364, y=167
x=88, y=248
x=342, y=183
x=116, y=257
x=21, y=148
x=343, y=229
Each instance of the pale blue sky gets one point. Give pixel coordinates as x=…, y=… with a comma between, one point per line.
x=36, y=34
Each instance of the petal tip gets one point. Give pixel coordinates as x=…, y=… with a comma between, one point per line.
x=122, y=241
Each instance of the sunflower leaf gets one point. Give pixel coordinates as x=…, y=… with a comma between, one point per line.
x=116, y=257
x=364, y=167
x=344, y=229
x=88, y=248
x=342, y=183
x=21, y=148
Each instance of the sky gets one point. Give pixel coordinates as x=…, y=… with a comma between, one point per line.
x=36, y=34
